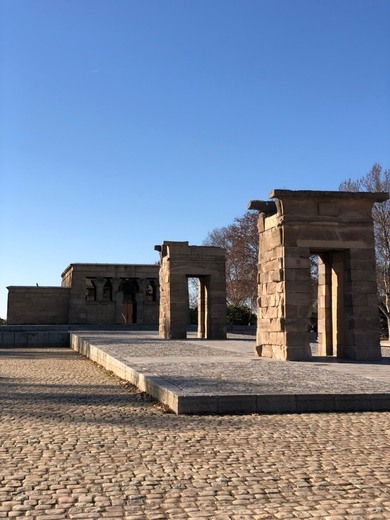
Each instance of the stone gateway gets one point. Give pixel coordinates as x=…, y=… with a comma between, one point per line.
x=178, y=262
x=337, y=227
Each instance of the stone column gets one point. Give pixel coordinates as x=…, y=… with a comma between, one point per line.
x=324, y=307
x=272, y=311
x=117, y=297
x=338, y=325
x=140, y=298
x=202, y=308
x=216, y=306
x=99, y=284
x=361, y=334
x=157, y=289
x=298, y=300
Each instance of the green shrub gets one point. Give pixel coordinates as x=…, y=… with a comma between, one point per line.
x=240, y=315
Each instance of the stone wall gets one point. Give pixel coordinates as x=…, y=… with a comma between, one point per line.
x=38, y=305
x=112, y=293
x=34, y=336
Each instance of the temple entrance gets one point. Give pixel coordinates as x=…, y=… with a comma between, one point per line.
x=127, y=313
x=198, y=301
x=327, y=313
x=178, y=263
x=337, y=227
x=193, y=290
x=129, y=288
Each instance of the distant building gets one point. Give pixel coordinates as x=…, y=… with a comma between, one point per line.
x=91, y=294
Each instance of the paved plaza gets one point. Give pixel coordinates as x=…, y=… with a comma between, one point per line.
x=212, y=376
x=76, y=442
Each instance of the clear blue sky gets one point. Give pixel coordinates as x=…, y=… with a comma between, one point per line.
x=125, y=123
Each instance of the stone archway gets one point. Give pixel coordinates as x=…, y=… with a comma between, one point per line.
x=338, y=227
x=178, y=261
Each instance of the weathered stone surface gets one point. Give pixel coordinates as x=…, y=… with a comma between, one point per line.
x=175, y=369
x=37, y=305
x=103, y=294
x=338, y=227
x=178, y=262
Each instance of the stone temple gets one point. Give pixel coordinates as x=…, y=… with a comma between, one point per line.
x=334, y=227
x=94, y=294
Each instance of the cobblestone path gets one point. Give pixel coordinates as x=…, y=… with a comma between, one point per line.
x=76, y=443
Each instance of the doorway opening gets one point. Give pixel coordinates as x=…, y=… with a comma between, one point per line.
x=129, y=287
x=198, y=303
x=193, y=293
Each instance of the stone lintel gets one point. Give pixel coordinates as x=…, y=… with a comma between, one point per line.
x=35, y=287
x=263, y=206
x=183, y=248
x=380, y=196
x=87, y=268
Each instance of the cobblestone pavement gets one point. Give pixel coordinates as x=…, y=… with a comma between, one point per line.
x=76, y=443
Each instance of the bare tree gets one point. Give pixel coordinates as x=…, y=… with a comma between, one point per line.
x=377, y=180
x=241, y=241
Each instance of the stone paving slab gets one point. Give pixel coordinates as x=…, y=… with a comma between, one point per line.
x=209, y=376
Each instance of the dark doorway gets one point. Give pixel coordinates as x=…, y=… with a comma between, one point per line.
x=129, y=287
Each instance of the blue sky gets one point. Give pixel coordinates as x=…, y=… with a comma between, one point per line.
x=125, y=123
